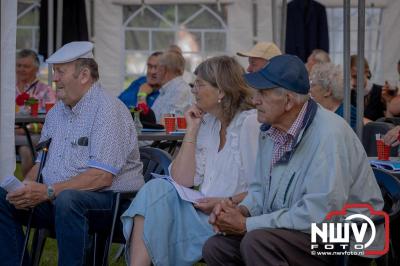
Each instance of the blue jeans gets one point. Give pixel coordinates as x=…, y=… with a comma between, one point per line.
x=66, y=215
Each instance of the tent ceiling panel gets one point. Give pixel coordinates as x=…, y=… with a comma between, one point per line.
x=154, y=2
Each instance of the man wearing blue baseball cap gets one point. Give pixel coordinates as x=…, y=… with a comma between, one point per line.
x=93, y=151
x=309, y=163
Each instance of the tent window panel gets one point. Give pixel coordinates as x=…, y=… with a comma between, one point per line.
x=25, y=39
x=136, y=40
x=162, y=39
x=127, y=11
x=189, y=41
x=147, y=19
x=167, y=11
x=22, y=7
x=205, y=20
x=135, y=63
x=214, y=41
x=186, y=10
x=373, y=38
x=199, y=29
x=30, y=18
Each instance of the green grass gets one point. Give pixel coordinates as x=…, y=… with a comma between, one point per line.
x=50, y=253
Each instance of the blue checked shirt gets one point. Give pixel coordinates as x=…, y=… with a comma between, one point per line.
x=112, y=145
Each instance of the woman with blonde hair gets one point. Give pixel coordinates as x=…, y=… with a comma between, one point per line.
x=217, y=155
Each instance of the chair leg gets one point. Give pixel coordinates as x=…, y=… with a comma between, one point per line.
x=39, y=239
x=100, y=242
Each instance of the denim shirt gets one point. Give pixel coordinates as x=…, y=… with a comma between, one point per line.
x=327, y=168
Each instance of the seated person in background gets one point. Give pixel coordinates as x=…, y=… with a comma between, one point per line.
x=326, y=88
x=309, y=162
x=188, y=77
x=77, y=177
x=317, y=56
x=259, y=55
x=392, y=137
x=175, y=94
x=374, y=103
x=27, y=67
x=144, y=89
x=218, y=154
x=390, y=92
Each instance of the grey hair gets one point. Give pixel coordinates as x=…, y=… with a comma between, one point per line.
x=29, y=53
x=320, y=56
x=173, y=61
x=329, y=76
x=89, y=63
x=299, y=98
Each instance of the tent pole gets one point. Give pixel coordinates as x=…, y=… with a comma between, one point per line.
x=50, y=37
x=346, y=61
x=360, y=66
x=283, y=26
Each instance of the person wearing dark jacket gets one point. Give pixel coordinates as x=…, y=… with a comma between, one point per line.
x=306, y=28
x=374, y=104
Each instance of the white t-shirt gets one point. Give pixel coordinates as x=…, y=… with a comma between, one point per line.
x=228, y=172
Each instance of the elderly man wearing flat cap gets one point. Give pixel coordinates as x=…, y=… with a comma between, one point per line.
x=260, y=55
x=309, y=163
x=93, y=152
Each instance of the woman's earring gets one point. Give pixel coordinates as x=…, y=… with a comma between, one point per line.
x=219, y=100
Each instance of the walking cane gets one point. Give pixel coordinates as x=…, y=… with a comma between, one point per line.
x=44, y=147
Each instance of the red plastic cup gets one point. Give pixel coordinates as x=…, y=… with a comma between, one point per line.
x=181, y=123
x=383, y=150
x=34, y=109
x=48, y=106
x=169, y=124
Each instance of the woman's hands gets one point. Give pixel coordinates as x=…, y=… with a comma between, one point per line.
x=206, y=205
x=194, y=117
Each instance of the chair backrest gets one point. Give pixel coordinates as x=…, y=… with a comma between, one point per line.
x=390, y=188
x=392, y=120
x=154, y=161
x=369, y=141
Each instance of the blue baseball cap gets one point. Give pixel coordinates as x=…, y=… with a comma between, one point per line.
x=286, y=71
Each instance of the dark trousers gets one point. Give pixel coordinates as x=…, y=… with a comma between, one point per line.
x=67, y=216
x=263, y=247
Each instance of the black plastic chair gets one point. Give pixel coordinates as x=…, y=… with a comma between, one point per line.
x=154, y=161
x=392, y=120
x=369, y=137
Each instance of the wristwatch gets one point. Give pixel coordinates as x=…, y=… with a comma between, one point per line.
x=51, y=193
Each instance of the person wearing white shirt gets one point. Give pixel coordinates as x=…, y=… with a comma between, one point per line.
x=175, y=94
x=218, y=156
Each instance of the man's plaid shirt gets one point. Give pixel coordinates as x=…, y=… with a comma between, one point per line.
x=283, y=141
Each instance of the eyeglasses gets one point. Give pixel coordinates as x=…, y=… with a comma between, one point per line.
x=198, y=84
